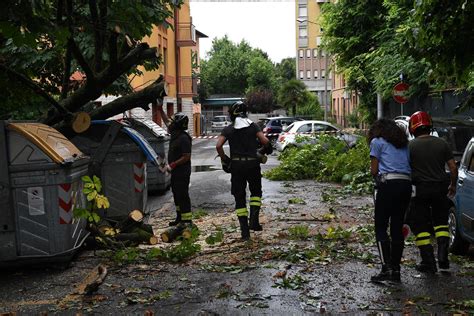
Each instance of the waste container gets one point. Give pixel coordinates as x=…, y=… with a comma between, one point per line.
x=157, y=179
x=118, y=157
x=40, y=185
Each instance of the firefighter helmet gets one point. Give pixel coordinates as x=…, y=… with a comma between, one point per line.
x=180, y=121
x=237, y=109
x=419, y=119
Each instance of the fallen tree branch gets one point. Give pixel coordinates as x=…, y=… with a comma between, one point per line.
x=94, y=285
x=140, y=98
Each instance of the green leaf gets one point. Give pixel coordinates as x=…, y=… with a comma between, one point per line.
x=97, y=183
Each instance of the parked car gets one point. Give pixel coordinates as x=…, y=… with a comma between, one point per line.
x=461, y=213
x=219, y=122
x=273, y=126
x=310, y=128
x=456, y=132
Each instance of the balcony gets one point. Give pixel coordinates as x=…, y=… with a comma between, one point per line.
x=322, y=1
x=187, y=86
x=186, y=35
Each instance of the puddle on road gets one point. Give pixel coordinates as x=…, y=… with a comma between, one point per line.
x=204, y=168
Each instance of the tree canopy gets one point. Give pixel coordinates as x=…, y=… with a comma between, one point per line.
x=375, y=42
x=44, y=42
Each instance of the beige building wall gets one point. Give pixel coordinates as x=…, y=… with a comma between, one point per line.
x=312, y=63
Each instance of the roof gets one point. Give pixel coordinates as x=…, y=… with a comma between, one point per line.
x=221, y=101
x=201, y=35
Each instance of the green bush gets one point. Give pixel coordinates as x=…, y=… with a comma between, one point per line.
x=327, y=160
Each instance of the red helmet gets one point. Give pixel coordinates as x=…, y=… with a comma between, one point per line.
x=419, y=119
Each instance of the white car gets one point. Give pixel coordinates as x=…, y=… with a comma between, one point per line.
x=219, y=122
x=308, y=128
x=403, y=122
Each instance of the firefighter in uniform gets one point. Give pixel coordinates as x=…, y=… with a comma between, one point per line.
x=432, y=186
x=244, y=137
x=179, y=165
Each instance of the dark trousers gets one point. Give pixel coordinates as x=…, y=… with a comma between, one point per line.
x=393, y=197
x=180, y=189
x=429, y=211
x=244, y=172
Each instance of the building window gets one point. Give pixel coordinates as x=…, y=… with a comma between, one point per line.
x=301, y=74
x=323, y=53
x=308, y=53
x=315, y=53
x=165, y=61
x=303, y=32
x=308, y=74
x=316, y=74
x=323, y=74
x=329, y=75
x=303, y=11
x=301, y=53
x=318, y=40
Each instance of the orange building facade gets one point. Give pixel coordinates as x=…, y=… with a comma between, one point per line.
x=179, y=51
x=344, y=101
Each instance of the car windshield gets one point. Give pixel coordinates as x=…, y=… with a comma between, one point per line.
x=287, y=129
x=219, y=119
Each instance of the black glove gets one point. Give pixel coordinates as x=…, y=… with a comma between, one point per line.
x=261, y=158
x=266, y=149
x=226, y=162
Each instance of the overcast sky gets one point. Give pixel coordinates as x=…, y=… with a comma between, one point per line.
x=266, y=25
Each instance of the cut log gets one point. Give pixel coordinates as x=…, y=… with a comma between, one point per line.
x=133, y=220
x=81, y=121
x=138, y=236
x=147, y=228
x=172, y=233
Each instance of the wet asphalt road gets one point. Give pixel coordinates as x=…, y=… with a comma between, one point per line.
x=244, y=278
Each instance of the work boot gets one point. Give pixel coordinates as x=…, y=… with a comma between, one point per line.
x=176, y=221
x=396, y=257
x=244, y=227
x=428, y=263
x=384, y=252
x=254, y=220
x=443, y=251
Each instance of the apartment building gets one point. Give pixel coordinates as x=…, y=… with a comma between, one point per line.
x=312, y=63
x=344, y=101
x=179, y=50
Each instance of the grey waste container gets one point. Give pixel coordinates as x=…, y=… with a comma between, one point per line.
x=157, y=179
x=40, y=185
x=119, y=160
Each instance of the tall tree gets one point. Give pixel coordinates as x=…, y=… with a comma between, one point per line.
x=293, y=94
x=44, y=42
x=286, y=70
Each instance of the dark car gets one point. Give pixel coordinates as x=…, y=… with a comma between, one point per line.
x=456, y=132
x=461, y=215
x=273, y=126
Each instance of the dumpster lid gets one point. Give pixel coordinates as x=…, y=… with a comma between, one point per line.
x=142, y=143
x=156, y=129
x=49, y=140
